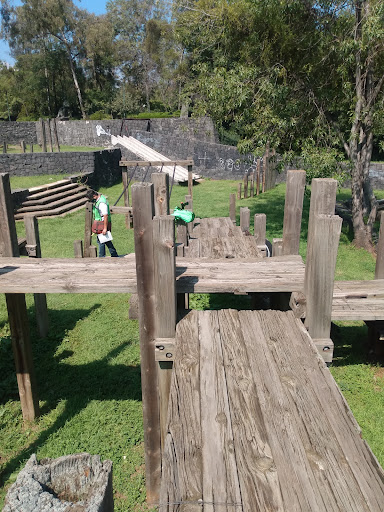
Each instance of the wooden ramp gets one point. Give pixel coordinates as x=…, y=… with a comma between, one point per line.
x=257, y=423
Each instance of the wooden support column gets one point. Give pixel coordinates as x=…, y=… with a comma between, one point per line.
x=265, y=168
x=245, y=182
x=165, y=303
x=258, y=176
x=4, y=147
x=252, y=183
x=88, y=229
x=245, y=219
x=124, y=179
x=143, y=211
x=232, y=208
x=190, y=181
x=49, y=136
x=160, y=182
x=293, y=211
x=43, y=136
x=22, y=145
x=323, y=201
x=78, y=248
x=277, y=247
x=34, y=251
x=260, y=227
x=319, y=276
x=239, y=185
x=56, y=137
x=379, y=269
x=17, y=310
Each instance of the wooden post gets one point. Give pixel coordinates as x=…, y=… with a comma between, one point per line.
x=258, y=176
x=379, y=269
x=232, y=207
x=265, y=167
x=22, y=145
x=56, y=137
x=245, y=180
x=323, y=201
x=4, y=147
x=260, y=227
x=245, y=219
x=239, y=185
x=143, y=210
x=88, y=229
x=49, y=136
x=43, y=136
x=319, y=276
x=165, y=303
x=190, y=181
x=293, y=210
x=252, y=183
x=124, y=179
x=17, y=310
x=31, y=147
x=182, y=234
x=160, y=182
x=78, y=248
x=34, y=251
x=277, y=247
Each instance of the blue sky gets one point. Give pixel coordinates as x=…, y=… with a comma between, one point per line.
x=95, y=6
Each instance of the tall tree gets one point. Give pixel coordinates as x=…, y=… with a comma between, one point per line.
x=38, y=22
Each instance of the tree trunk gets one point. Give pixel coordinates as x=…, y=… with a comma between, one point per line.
x=76, y=83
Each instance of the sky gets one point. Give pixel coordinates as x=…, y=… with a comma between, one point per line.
x=95, y=6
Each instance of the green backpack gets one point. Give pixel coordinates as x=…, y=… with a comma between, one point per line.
x=183, y=215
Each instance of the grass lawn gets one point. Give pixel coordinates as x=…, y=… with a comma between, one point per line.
x=88, y=370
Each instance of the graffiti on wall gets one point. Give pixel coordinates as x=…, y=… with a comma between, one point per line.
x=100, y=130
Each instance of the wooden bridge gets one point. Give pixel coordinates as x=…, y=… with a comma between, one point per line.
x=240, y=411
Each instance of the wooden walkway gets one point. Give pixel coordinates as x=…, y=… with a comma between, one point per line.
x=257, y=423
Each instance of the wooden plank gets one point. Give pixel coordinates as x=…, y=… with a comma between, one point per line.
x=320, y=274
x=142, y=163
x=17, y=310
x=182, y=456
x=220, y=478
x=78, y=248
x=259, y=481
x=379, y=268
x=143, y=209
x=125, y=210
x=40, y=299
x=293, y=211
x=160, y=182
x=88, y=229
x=165, y=303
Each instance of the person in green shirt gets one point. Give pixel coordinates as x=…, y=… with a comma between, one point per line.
x=101, y=213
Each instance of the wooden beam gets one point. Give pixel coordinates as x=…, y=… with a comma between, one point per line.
x=143, y=210
x=190, y=181
x=160, y=182
x=17, y=310
x=33, y=238
x=232, y=207
x=142, y=163
x=320, y=274
x=165, y=303
x=293, y=211
x=379, y=269
x=124, y=179
x=88, y=229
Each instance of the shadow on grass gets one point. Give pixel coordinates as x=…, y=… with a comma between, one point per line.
x=350, y=344
x=57, y=380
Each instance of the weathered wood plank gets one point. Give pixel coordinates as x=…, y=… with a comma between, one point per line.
x=293, y=211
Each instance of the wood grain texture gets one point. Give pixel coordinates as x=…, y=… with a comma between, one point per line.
x=293, y=211
x=257, y=423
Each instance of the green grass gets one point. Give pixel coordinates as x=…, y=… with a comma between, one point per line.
x=88, y=371
x=16, y=148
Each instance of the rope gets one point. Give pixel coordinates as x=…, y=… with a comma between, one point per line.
x=129, y=182
x=173, y=180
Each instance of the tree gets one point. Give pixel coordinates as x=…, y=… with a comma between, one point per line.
x=305, y=75
x=37, y=23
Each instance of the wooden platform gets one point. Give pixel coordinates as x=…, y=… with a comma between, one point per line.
x=257, y=423
x=358, y=300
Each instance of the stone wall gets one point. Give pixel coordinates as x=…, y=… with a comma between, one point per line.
x=104, y=164
x=12, y=132
x=98, y=133
x=211, y=160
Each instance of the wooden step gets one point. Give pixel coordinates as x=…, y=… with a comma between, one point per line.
x=53, y=212
x=56, y=196
x=49, y=186
x=52, y=191
x=53, y=204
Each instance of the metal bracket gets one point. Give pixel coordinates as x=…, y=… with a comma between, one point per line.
x=164, y=349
